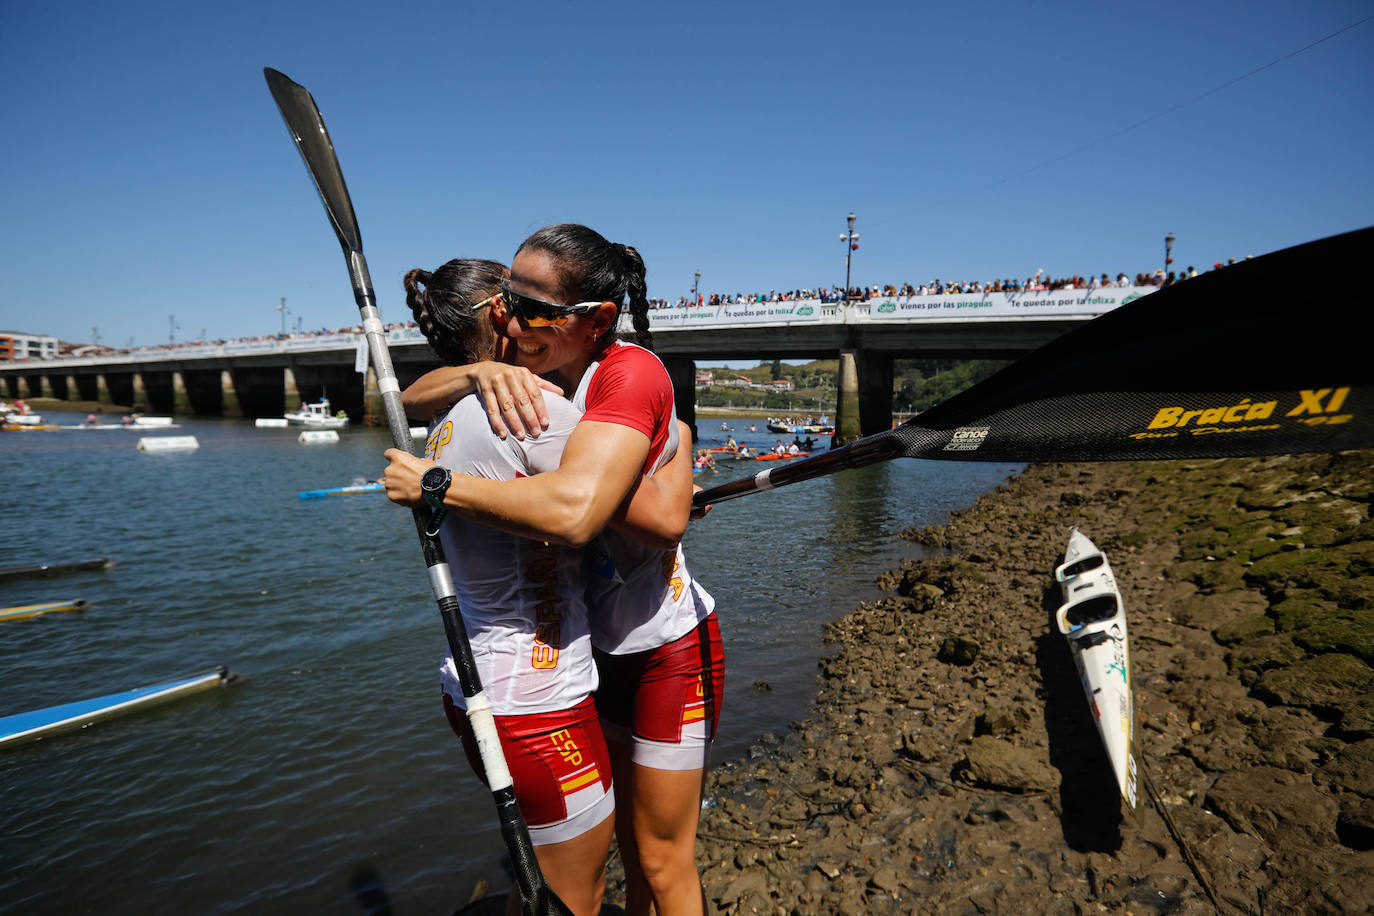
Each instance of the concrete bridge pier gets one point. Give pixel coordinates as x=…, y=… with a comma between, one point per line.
x=141, y=402
x=864, y=405
x=229, y=398
x=682, y=372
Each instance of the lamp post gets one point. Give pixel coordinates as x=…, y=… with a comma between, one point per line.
x=1168, y=251
x=696, y=284
x=284, y=311
x=851, y=241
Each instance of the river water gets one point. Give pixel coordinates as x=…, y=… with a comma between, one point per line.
x=269, y=796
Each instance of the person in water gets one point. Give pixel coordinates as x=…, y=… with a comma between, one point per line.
x=523, y=602
x=656, y=639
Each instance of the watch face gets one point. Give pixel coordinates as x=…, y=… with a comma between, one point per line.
x=434, y=479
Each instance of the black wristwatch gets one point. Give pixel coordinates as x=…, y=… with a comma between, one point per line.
x=434, y=484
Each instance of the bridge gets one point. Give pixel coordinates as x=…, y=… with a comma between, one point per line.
x=258, y=378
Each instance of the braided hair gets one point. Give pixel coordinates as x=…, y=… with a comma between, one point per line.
x=591, y=269
x=442, y=304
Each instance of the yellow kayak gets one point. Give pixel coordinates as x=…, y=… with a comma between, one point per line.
x=25, y=611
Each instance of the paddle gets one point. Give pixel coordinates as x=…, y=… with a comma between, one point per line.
x=307, y=128
x=1260, y=358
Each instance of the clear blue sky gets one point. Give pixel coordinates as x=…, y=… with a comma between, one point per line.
x=147, y=172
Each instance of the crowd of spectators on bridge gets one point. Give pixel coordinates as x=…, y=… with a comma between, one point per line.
x=1041, y=281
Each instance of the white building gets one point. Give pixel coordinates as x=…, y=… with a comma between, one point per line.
x=18, y=345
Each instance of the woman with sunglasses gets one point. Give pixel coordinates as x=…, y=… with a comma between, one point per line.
x=523, y=602
x=656, y=640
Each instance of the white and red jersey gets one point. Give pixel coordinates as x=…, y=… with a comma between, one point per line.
x=523, y=601
x=640, y=598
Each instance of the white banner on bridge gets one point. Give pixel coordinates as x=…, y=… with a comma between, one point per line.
x=957, y=306
x=1004, y=305
x=797, y=311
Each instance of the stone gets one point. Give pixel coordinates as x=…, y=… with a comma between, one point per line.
x=1284, y=809
x=1322, y=683
x=995, y=762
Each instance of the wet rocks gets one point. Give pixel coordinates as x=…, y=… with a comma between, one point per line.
x=951, y=764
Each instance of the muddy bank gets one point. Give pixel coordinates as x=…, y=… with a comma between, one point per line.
x=950, y=764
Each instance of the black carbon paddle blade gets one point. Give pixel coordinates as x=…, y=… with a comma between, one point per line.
x=303, y=120
x=1259, y=358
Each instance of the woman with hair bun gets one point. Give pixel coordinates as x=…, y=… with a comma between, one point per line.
x=655, y=636
x=523, y=601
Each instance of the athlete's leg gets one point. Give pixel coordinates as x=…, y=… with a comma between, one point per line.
x=576, y=869
x=665, y=807
x=637, y=896
x=557, y=759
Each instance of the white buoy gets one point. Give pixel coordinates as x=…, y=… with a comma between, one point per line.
x=418, y=432
x=167, y=443
x=279, y=423
x=315, y=436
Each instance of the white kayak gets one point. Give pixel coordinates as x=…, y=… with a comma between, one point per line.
x=1093, y=621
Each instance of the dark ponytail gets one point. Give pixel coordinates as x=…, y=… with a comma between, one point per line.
x=591, y=269
x=442, y=304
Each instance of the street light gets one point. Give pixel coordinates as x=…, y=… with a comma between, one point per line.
x=851, y=242
x=696, y=283
x=284, y=312
x=1168, y=251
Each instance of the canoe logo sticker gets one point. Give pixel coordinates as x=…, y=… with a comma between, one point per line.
x=967, y=438
x=1314, y=407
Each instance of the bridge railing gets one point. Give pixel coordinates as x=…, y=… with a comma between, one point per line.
x=1046, y=304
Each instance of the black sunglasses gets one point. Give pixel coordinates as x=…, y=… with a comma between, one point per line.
x=537, y=312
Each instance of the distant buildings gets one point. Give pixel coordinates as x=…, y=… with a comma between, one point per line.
x=18, y=345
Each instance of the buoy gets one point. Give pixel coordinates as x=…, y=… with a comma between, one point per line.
x=167, y=443
x=263, y=422
x=318, y=436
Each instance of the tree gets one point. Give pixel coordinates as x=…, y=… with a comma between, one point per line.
x=777, y=369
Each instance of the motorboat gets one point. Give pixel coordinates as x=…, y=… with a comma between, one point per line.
x=318, y=416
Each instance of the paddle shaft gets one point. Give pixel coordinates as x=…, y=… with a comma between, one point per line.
x=306, y=126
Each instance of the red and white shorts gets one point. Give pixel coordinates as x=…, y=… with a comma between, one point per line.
x=665, y=701
x=558, y=763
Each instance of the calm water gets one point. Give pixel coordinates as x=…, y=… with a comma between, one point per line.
x=266, y=797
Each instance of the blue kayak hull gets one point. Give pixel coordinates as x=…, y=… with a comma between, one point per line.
x=28, y=726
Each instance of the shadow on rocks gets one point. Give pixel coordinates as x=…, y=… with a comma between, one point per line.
x=1089, y=806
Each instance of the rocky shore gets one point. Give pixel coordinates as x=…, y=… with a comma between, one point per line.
x=950, y=763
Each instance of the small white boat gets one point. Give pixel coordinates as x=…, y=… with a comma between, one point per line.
x=1093, y=621
x=23, y=419
x=318, y=416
